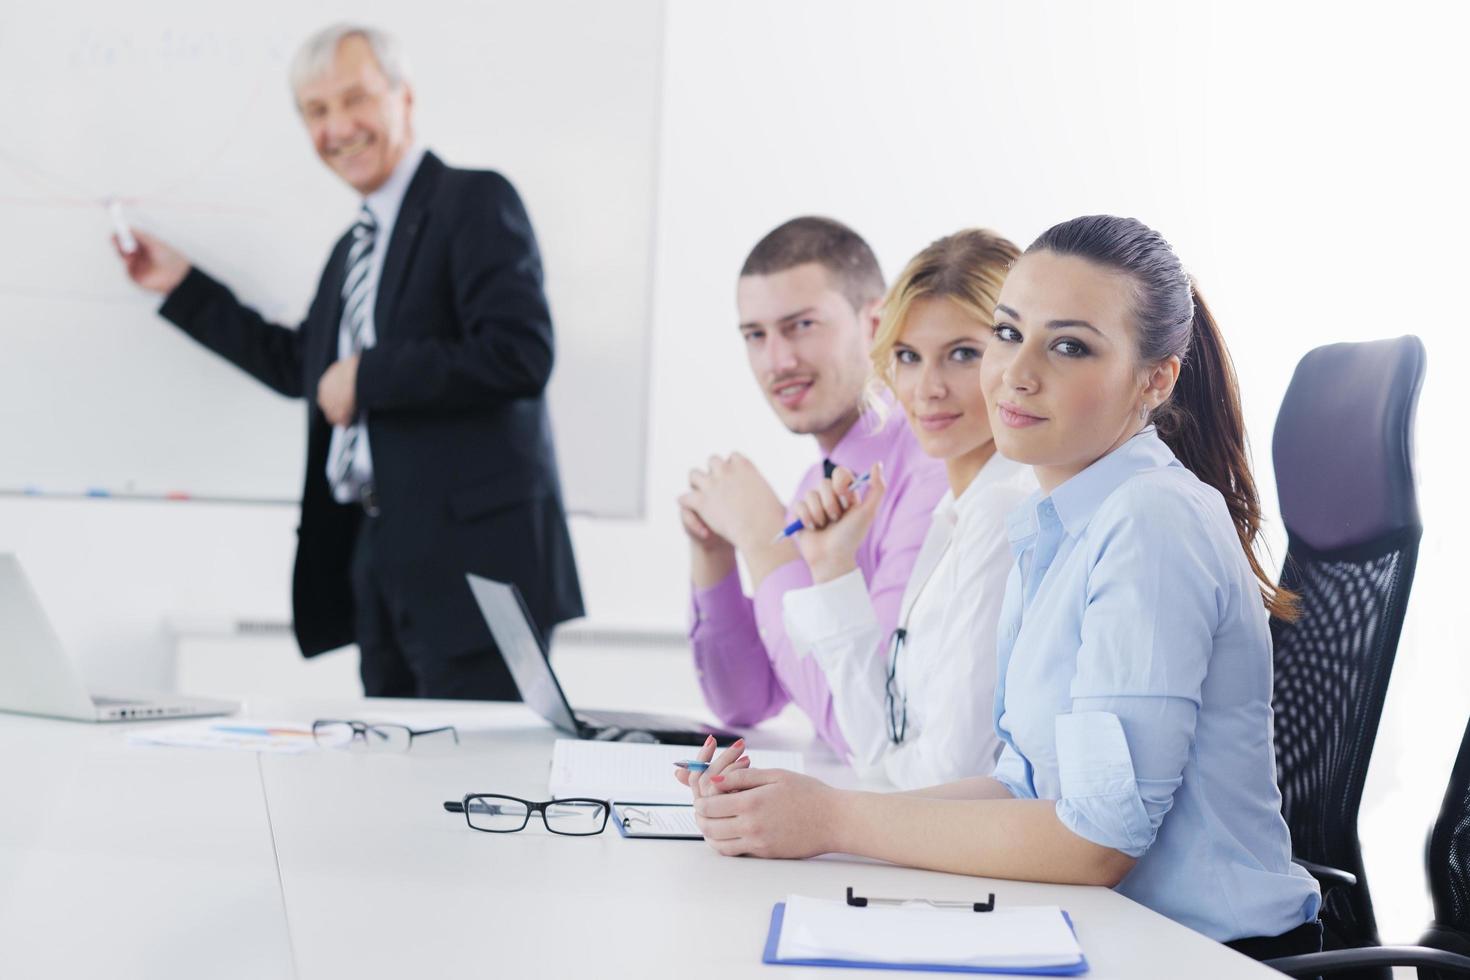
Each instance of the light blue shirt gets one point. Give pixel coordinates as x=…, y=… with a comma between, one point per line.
x=1135, y=690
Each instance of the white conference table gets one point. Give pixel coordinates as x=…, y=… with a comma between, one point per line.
x=119, y=861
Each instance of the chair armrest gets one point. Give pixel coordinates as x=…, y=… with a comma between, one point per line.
x=1328, y=877
x=1337, y=960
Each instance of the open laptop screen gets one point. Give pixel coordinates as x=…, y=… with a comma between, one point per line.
x=520, y=644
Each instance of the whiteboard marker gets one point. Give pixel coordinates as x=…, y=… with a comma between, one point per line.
x=125, y=239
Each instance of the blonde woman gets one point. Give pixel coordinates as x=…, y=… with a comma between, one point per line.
x=916, y=704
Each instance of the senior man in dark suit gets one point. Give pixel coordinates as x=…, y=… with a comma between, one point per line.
x=424, y=359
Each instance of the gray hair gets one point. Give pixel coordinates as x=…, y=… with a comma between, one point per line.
x=314, y=57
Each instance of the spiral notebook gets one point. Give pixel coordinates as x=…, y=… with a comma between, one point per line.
x=1026, y=939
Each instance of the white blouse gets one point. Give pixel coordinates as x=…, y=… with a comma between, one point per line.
x=944, y=683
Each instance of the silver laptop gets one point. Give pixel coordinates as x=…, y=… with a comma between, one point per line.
x=525, y=654
x=37, y=677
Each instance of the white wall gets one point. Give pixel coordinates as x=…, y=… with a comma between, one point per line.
x=1306, y=160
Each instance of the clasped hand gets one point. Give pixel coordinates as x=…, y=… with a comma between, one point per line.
x=336, y=393
x=771, y=813
x=836, y=521
x=731, y=500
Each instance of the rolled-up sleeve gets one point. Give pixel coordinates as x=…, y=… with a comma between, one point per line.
x=1154, y=603
x=1010, y=772
x=1102, y=799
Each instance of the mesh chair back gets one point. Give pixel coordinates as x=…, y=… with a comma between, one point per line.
x=1342, y=451
x=1448, y=863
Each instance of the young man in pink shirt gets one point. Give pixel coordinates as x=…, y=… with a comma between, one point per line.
x=808, y=298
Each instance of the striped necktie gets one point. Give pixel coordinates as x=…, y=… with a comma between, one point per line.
x=356, y=290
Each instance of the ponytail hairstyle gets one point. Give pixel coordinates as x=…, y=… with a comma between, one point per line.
x=1201, y=422
x=966, y=268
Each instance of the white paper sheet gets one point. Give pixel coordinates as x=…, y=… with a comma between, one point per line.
x=635, y=772
x=1021, y=937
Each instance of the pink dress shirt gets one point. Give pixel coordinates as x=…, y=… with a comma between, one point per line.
x=747, y=666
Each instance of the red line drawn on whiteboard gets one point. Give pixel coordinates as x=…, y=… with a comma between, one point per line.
x=52, y=190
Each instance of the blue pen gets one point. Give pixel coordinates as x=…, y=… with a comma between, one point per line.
x=693, y=765
x=796, y=525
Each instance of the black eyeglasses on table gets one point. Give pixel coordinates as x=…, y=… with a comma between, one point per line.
x=372, y=735
x=497, y=814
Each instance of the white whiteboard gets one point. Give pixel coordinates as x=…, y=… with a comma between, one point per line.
x=183, y=110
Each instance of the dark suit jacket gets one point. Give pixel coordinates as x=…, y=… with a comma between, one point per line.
x=454, y=389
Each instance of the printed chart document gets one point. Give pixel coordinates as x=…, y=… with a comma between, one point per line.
x=1025, y=939
x=275, y=737
x=634, y=772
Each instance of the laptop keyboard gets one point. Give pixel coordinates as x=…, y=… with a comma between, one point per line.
x=644, y=722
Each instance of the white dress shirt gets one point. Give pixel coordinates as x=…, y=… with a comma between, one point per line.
x=384, y=203
x=946, y=668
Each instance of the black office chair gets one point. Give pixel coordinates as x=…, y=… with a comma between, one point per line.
x=1444, y=950
x=1342, y=451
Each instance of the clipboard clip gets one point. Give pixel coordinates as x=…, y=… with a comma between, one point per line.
x=859, y=902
